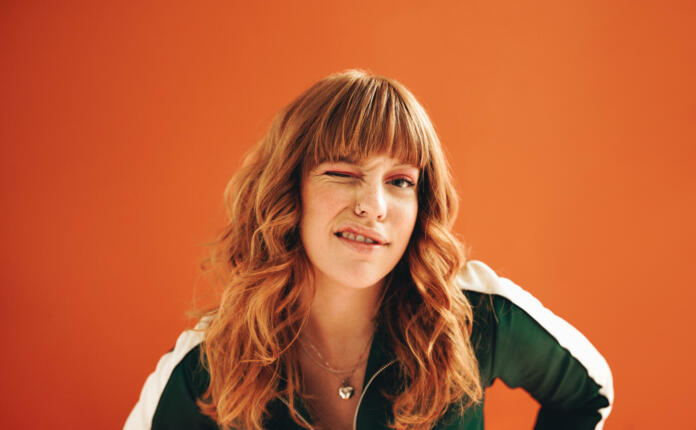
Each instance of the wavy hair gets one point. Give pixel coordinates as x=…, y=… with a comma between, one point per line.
x=262, y=267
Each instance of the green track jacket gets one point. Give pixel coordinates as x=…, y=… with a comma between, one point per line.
x=516, y=340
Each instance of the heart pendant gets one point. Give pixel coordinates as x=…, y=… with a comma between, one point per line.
x=346, y=391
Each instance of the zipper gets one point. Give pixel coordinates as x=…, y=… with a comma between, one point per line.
x=364, y=390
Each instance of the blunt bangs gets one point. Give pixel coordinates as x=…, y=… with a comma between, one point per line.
x=364, y=116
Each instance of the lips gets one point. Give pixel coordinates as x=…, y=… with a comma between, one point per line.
x=361, y=235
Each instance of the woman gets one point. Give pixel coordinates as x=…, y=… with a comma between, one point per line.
x=346, y=299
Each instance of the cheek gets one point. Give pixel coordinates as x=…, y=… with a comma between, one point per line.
x=331, y=198
x=405, y=219
x=320, y=206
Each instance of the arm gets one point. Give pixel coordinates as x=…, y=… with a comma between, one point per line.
x=526, y=345
x=527, y=355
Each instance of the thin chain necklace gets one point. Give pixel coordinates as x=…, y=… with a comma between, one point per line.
x=346, y=389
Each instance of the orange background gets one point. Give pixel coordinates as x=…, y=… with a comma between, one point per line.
x=570, y=126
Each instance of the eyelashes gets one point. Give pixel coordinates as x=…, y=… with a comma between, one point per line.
x=339, y=174
x=402, y=182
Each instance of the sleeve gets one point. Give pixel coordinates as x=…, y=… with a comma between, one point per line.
x=168, y=398
x=177, y=407
x=534, y=349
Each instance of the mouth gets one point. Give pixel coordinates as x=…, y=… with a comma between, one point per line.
x=360, y=237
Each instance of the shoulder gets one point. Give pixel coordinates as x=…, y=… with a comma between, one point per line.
x=507, y=296
x=173, y=388
x=494, y=297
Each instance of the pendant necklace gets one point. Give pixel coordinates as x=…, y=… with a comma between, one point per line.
x=346, y=389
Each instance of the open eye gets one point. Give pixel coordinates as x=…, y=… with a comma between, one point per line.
x=402, y=182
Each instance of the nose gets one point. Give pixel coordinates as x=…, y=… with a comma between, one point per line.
x=370, y=202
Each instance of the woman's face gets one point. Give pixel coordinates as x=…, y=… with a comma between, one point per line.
x=357, y=219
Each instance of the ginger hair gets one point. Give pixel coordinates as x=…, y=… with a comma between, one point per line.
x=262, y=267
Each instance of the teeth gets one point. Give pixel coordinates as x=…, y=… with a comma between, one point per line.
x=358, y=238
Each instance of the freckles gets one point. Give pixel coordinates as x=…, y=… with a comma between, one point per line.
x=324, y=200
x=329, y=197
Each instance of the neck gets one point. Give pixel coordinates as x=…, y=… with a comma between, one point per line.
x=341, y=319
